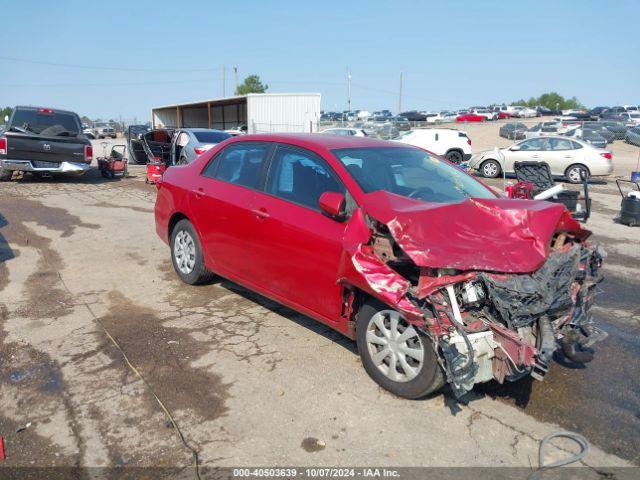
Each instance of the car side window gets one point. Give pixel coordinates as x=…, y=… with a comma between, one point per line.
x=576, y=145
x=301, y=177
x=533, y=144
x=240, y=164
x=560, y=144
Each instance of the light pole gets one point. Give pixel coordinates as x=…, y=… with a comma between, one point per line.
x=348, y=90
x=400, y=96
x=235, y=76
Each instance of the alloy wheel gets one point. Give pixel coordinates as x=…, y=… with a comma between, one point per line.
x=490, y=169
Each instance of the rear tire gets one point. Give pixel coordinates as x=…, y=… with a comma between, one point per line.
x=400, y=359
x=454, y=156
x=574, y=173
x=187, y=256
x=490, y=169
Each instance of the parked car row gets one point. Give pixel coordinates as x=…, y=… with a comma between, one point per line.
x=598, y=133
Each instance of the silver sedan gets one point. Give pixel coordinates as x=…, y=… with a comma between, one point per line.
x=188, y=143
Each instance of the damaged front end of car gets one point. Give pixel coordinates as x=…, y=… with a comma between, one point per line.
x=498, y=285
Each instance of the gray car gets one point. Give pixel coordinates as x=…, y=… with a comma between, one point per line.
x=188, y=143
x=633, y=136
x=601, y=130
x=619, y=129
x=589, y=136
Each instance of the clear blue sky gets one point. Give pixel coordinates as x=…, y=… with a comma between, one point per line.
x=453, y=54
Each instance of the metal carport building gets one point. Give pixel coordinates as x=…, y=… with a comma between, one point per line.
x=260, y=112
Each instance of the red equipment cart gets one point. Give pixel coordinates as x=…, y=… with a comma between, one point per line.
x=115, y=163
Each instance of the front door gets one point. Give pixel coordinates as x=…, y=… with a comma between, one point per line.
x=300, y=248
x=534, y=149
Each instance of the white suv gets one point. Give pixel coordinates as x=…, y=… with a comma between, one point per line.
x=454, y=145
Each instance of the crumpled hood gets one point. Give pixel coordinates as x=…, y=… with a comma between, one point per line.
x=501, y=235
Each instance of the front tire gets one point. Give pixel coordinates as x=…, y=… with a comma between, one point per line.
x=395, y=354
x=575, y=173
x=490, y=169
x=187, y=256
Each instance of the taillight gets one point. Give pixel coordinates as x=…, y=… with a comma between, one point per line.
x=3, y=145
x=607, y=155
x=468, y=141
x=88, y=153
x=201, y=149
x=48, y=111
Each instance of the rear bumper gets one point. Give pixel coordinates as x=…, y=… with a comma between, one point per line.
x=29, y=166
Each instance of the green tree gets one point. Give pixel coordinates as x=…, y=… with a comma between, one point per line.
x=551, y=100
x=5, y=112
x=251, y=84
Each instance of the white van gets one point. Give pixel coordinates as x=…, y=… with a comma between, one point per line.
x=454, y=145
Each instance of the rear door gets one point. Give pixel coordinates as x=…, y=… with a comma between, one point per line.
x=222, y=202
x=299, y=253
x=561, y=153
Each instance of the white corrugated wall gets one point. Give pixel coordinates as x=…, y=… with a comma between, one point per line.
x=283, y=112
x=164, y=117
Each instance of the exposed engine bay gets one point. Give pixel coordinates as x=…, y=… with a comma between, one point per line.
x=500, y=317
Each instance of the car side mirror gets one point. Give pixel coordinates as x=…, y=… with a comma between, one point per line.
x=515, y=148
x=333, y=204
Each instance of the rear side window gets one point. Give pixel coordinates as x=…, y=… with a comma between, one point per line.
x=560, y=144
x=46, y=122
x=301, y=177
x=240, y=164
x=211, y=137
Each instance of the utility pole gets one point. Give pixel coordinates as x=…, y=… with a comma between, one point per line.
x=235, y=76
x=348, y=90
x=400, y=96
x=223, y=79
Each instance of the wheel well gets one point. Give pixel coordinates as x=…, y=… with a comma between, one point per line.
x=175, y=218
x=459, y=150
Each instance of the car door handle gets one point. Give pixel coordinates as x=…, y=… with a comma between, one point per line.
x=535, y=156
x=568, y=156
x=199, y=193
x=261, y=213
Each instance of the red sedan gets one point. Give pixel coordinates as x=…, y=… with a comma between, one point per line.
x=503, y=115
x=471, y=117
x=435, y=277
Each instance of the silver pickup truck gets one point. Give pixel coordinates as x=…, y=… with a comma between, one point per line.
x=43, y=141
x=104, y=130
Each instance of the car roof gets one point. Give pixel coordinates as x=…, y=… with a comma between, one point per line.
x=189, y=129
x=315, y=140
x=31, y=107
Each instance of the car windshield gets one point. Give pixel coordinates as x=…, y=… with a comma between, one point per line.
x=211, y=137
x=410, y=172
x=46, y=122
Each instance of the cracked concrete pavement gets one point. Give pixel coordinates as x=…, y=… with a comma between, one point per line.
x=248, y=381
